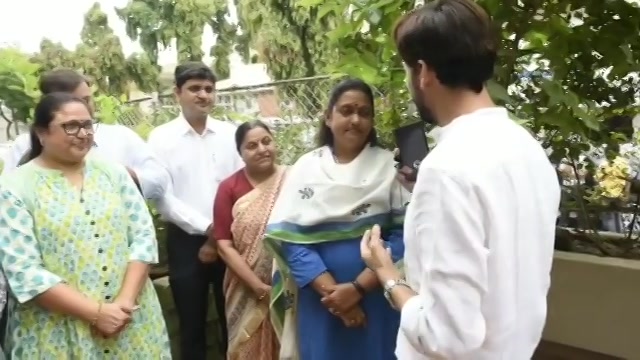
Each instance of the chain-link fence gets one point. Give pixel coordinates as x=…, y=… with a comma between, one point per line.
x=293, y=108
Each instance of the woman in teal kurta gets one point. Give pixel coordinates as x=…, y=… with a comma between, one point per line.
x=57, y=239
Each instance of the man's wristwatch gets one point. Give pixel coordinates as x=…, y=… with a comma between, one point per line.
x=389, y=285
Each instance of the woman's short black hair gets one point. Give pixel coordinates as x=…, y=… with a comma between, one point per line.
x=325, y=136
x=244, y=128
x=192, y=70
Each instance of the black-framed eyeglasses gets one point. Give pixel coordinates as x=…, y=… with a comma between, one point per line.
x=74, y=127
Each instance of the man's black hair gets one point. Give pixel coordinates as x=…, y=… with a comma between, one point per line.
x=60, y=80
x=192, y=70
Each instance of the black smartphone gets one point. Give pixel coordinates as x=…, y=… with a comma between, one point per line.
x=412, y=146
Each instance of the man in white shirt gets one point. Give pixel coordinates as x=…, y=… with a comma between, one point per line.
x=479, y=230
x=113, y=142
x=198, y=152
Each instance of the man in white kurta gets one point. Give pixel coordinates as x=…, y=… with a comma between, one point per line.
x=479, y=229
x=479, y=236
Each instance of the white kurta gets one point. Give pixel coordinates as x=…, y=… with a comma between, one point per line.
x=479, y=238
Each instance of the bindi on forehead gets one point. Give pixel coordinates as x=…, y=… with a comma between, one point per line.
x=353, y=98
x=355, y=104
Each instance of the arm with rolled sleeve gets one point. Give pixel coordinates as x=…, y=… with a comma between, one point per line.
x=445, y=319
x=305, y=263
x=173, y=209
x=152, y=176
x=20, y=255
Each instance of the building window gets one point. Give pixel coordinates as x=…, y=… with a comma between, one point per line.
x=224, y=101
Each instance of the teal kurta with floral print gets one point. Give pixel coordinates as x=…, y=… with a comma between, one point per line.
x=52, y=232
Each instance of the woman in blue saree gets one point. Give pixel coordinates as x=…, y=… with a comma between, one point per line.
x=326, y=305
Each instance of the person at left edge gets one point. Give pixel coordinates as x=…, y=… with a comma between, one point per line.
x=198, y=152
x=112, y=141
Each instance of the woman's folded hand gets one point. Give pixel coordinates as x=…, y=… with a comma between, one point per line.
x=112, y=317
x=341, y=298
x=354, y=318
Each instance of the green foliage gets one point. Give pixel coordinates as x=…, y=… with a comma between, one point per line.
x=366, y=50
x=54, y=56
x=143, y=73
x=226, y=37
x=294, y=140
x=18, y=86
x=143, y=19
x=290, y=40
x=100, y=56
x=109, y=108
x=581, y=54
x=155, y=23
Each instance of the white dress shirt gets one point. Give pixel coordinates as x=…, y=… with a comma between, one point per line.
x=479, y=239
x=115, y=143
x=196, y=164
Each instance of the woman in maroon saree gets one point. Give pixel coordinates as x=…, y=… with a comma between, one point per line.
x=241, y=211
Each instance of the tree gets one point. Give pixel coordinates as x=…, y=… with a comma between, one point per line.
x=18, y=87
x=365, y=49
x=582, y=54
x=564, y=67
x=53, y=56
x=144, y=73
x=101, y=57
x=288, y=39
x=226, y=37
x=100, y=54
x=145, y=23
x=155, y=23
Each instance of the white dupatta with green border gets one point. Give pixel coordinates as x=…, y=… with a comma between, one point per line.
x=322, y=201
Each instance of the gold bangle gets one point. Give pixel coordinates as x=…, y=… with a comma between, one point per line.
x=95, y=320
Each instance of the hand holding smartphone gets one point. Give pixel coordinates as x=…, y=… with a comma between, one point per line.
x=412, y=148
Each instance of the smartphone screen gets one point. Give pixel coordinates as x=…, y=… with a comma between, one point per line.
x=412, y=144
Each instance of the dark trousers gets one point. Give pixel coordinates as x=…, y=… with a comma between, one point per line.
x=190, y=282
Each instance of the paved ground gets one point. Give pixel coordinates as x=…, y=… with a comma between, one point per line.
x=553, y=351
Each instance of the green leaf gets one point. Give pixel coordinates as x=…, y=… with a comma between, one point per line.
x=498, y=92
x=308, y=3
x=326, y=10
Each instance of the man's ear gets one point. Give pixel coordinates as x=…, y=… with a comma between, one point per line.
x=424, y=75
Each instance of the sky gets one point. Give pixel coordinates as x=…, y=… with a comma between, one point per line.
x=24, y=23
